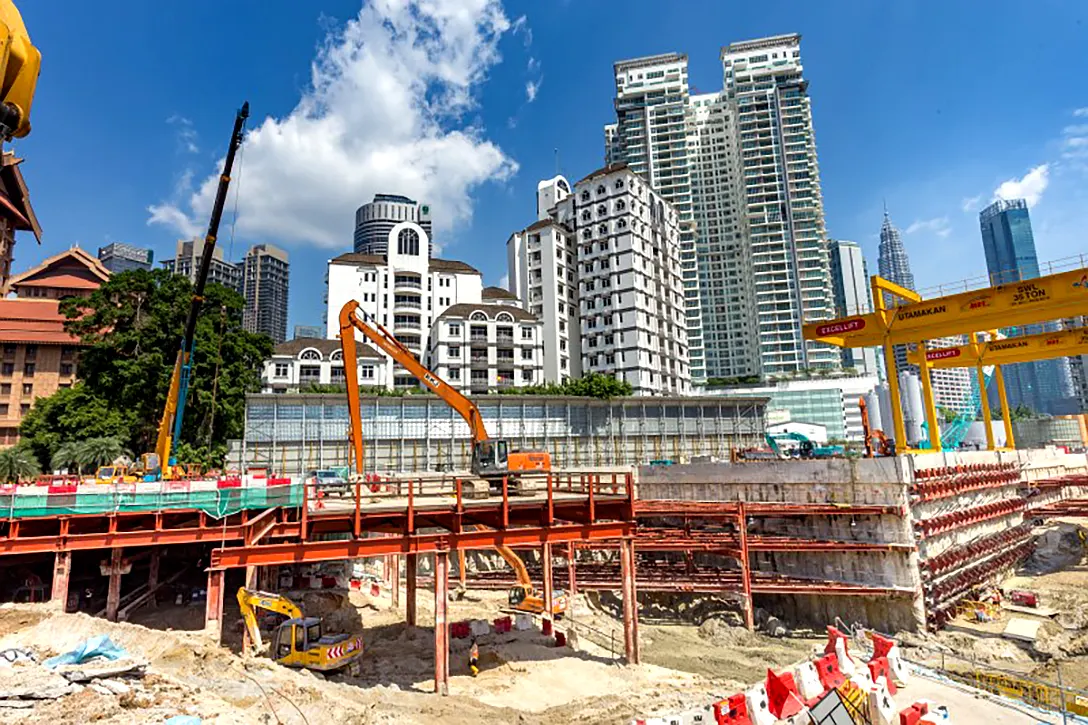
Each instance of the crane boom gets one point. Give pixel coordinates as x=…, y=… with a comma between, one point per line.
x=174, y=410
x=384, y=340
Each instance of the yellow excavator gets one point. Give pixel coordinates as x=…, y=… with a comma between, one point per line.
x=522, y=596
x=298, y=641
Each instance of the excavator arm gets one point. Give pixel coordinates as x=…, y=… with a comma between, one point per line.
x=20, y=63
x=250, y=600
x=517, y=565
x=384, y=341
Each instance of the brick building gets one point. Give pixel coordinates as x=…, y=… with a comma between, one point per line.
x=36, y=355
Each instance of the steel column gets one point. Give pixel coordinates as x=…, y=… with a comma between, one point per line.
x=213, y=610
x=62, y=571
x=396, y=581
x=549, y=589
x=441, y=627
x=411, y=569
x=746, y=572
x=571, y=582
x=113, y=594
x=630, y=602
x=153, y=575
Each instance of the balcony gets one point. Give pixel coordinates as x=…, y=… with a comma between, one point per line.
x=407, y=302
x=505, y=340
x=407, y=281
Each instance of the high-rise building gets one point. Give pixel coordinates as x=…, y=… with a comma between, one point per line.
x=315, y=331
x=602, y=272
x=740, y=168
x=266, y=274
x=1045, y=386
x=952, y=387
x=894, y=266
x=853, y=296
x=374, y=221
x=120, y=257
x=186, y=262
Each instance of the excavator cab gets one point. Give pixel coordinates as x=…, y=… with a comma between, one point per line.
x=491, y=457
x=517, y=595
x=295, y=637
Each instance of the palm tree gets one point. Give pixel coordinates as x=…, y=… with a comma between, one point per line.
x=95, y=452
x=67, y=456
x=18, y=463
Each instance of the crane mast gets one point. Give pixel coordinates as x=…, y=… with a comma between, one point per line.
x=174, y=411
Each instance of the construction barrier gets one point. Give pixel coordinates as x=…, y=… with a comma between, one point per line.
x=217, y=498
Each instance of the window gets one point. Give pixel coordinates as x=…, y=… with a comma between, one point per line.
x=478, y=317
x=366, y=372
x=585, y=195
x=3, y=408
x=282, y=369
x=24, y=408
x=621, y=205
x=454, y=351
x=585, y=215
x=622, y=223
x=9, y=350
x=7, y=369
x=28, y=388
x=526, y=332
x=619, y=183
x=455, y=373
x=602, y=210
x=66, y=368
x=408, y=242
x=28, y=370
x=526, y=353
x=600, y=189
x=527, y=376
x=31, y=352
x=336, y=374
x=309, y=354
x=603, y=229
x=455, y=329
x=5, y=388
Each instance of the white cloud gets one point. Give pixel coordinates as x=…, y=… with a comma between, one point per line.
x=504, y=281
x=534, y=65
x=531, y=89
x=1029, y=187
x=971, y=203
x=186, y=135
x=1075, y=142
x=938, y=226
x=384, y=114
x=1081, y=113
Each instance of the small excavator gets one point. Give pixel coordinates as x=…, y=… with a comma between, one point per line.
x=492, y=459
x=523, y=597
x=876, y=442
x=299, y=641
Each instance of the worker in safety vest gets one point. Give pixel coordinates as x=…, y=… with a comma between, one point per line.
x=474, y=658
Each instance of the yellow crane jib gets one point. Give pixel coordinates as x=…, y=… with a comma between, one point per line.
x=20, y=62
x=1008, y=350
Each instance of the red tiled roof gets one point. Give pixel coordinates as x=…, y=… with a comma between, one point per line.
x=66, y=281
x=37, y=321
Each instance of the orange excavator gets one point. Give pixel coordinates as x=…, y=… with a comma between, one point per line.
x=492, y=459
x=876, y=443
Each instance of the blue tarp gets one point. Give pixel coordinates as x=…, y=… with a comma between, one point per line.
x=100, y=646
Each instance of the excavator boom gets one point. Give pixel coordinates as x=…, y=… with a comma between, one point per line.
x=384, y=341
x=250, y=600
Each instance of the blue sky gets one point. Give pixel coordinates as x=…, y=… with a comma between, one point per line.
x=931, y=107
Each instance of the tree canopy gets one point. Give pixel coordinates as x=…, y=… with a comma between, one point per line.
x=591, y=385
x=132, y=328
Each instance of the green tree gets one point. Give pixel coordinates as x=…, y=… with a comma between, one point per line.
x=591, y=385
x=95, y=452
x=69, y=416
x=132, y=328
x=948, y=415
x=18, y=463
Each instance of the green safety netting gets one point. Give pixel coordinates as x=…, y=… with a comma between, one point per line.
x=218, y=503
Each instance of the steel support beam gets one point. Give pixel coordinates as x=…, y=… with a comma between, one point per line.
x=113, y=593
x=213, y=610
x=411, y=570
x=549, y=589
x=572, y=582
x=441, y=626
x=62, y=572
x=630, y=602
x=329, y=550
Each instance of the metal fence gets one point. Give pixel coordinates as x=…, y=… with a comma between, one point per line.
x=295, y=433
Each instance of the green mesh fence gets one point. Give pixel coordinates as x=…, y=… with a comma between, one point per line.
x=218, y=503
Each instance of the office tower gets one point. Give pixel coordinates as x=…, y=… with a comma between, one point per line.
x=894, y=266
x=740, y=168
x=186, y=262
x=119, y=257
x=374, y=221
x=853, y=296
x=312, y=331
x=267, y=272
x=1045, y=386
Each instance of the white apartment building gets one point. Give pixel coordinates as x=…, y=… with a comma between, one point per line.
x=542, y=271
x=305, y=361
x=488, y=346
x=740, y=167
x=405, y=290
x=630, y=293
x=602, y=272
x=953, y=388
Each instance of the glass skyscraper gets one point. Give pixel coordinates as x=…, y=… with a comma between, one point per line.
x=1044, y=386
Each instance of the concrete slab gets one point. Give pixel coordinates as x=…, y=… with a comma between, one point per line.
x=1025, y=630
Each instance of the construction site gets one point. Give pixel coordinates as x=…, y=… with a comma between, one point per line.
x=543, y=558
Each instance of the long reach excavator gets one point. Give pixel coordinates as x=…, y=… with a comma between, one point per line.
x=492, y=459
